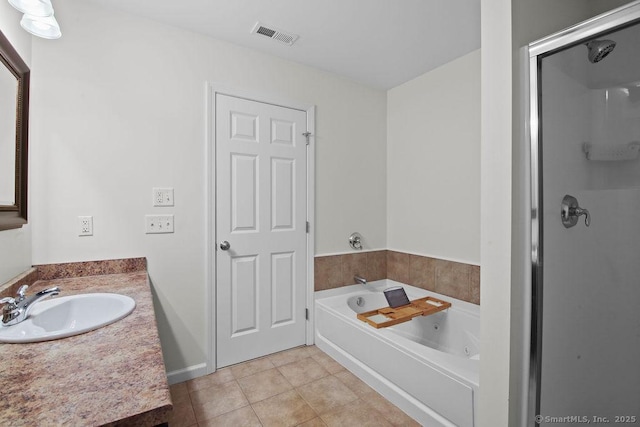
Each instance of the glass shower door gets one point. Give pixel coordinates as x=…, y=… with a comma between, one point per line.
x=588, y=284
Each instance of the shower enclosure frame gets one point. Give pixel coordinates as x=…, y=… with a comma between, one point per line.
x=578, y=34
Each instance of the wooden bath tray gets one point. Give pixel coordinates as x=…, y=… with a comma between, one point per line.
x=387, y=316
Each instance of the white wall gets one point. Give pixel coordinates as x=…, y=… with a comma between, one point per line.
x=119, y=107
x=10, y=27
x=15, y=245
x=433, y=165
x=495, y=205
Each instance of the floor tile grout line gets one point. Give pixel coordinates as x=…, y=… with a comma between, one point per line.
x=255, y=413
x=371, y=405
x=226, y=412
x=242, y=390
x=269, y=397
x=309, y=403
x=246, y=398
x=192, y=407
x=308, y=357
x=286, y=391
x=342, y=405
x=251, y=361
x=283, y=376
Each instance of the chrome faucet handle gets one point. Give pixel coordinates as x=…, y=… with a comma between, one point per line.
x=21, y=292
x=10, y=310
x=355, y=241
x=570, y=211
x=587, y=216
x=8, y=300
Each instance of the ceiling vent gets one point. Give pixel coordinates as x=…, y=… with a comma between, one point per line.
x=274, y=34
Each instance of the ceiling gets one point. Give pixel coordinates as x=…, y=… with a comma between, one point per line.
x=380, y=43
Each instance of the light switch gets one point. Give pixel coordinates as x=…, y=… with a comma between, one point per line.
x=158, y=224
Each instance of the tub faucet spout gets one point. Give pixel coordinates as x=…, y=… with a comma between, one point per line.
x=360, y=280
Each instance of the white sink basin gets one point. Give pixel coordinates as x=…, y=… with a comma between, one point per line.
x=67, y=316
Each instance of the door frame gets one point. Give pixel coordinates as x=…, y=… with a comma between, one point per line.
x=606, y=22
x=213, y=89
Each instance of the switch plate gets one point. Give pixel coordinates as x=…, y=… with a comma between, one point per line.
x=85, y=226
x=163, y=196
x=158, y=224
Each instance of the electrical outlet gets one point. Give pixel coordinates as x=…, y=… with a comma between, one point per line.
x=157, y=224
x=85, y=226
x=163, y=197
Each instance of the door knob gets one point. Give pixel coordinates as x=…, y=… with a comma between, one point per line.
x=570, y=211
x=224, y=245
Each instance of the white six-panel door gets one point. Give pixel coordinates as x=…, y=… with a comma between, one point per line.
x=261, y=212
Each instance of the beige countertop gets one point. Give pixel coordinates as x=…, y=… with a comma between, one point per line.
x=114, y=375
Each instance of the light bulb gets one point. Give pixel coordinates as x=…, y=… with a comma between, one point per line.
x=33, y=7
x=45, y=27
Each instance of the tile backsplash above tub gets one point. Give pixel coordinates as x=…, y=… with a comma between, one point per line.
x=455, y=279
x=334, y=271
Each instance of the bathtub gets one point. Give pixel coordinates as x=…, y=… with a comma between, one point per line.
x=428, y=366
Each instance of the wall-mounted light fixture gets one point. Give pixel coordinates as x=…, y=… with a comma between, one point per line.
x=33, y=7
x=46, y=27
x=38, y=18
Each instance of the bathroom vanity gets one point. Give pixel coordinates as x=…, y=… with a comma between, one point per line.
x=111, y=376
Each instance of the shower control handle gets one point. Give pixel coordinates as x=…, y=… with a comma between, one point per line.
x=570, y=211
x=224, y=245
x=580, y=211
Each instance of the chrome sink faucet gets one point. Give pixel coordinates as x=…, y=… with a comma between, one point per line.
x=360, y=280
x=17, y=309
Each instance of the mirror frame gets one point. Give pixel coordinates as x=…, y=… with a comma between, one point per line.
x=15, y=216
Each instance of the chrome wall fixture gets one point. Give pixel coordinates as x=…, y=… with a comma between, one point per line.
x=38, y=18
x=355, y=241
x=570, y=211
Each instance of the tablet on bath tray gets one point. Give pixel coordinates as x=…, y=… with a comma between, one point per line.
x=396, y=296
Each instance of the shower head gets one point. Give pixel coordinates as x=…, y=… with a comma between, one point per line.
x=598, y=49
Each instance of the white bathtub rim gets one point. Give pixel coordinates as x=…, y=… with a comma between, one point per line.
x=380, y=285
x=458, y=368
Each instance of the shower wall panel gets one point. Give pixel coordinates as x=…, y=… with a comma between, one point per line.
x=591, y=275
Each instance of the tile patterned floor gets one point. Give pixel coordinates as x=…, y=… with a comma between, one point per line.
x=298, y=387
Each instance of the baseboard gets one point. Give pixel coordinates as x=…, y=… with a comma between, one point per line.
x=188, y=373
